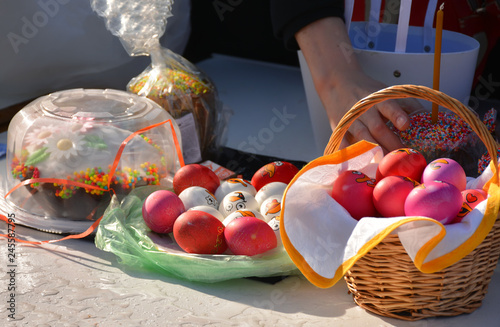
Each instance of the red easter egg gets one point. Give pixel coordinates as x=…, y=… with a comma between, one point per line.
x=389, y=195
x=471, y=198
x=439, y=200
x=353, y=190
x=199, y=232
x=195, y=175
x=445, y=170
x=404, y=162
x=250, y=236
x=278, y=171
x=161, y=209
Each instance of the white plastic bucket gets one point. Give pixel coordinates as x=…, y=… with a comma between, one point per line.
x=414, y=66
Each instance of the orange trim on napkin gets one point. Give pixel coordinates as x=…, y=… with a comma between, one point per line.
x=335, y=158
x=489, y=218
x=341, y=156
x=380, y=237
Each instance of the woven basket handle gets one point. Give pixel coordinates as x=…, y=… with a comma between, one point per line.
x=419, y=92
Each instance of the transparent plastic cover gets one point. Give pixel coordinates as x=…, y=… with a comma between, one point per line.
x=68, y=152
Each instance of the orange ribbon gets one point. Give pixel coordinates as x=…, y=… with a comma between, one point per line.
x=73, y=236
x=92, y=187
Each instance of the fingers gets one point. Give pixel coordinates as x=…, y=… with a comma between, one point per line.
x=410, y=105
x=373, y=129
x=392, y=111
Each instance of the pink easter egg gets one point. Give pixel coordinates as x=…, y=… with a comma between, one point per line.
x=439, y=200
x=389, y=195
x=353, y=190
x=161, y=209
x=445, y=170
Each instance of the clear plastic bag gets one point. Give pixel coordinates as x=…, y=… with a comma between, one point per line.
x=171, y=80
x=123, y=232
x=187, y=94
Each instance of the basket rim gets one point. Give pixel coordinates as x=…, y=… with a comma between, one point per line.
x=418, y=92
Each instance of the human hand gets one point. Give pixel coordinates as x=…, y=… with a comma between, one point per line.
x=371, y=125
x=340, y=83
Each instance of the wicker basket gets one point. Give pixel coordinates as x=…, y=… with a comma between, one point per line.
x=385, y=281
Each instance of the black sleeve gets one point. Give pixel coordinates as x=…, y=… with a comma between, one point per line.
x=289, y=16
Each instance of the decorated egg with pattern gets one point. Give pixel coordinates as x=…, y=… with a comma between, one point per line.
x=209, y=209
x=445, y=170
x=471, y=198
x=277, y=171
x=353, y=190
x=439, y=200
x=271, y=189
x=405, y=162
x=271, y=208
x=389, y=195
x=234, y=184
x=275, y=225
x=242, y=213
x=238, y=200
x=198, y=196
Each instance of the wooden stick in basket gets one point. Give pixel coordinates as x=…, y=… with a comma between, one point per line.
x=437, y=59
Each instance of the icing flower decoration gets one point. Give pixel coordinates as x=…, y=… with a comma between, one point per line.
x=39, y=137
x=81, y=127
x=65, y=144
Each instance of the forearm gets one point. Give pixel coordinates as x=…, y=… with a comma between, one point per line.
x=328, y=51
x=340, y=83
x=289, y=16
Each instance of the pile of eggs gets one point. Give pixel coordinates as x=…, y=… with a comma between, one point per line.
x=208, y=216
x=405, y=185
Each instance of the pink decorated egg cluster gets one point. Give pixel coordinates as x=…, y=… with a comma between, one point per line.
x=208, y=216
x=406, y=185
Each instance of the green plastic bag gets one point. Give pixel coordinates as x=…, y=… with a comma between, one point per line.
x=123, y=232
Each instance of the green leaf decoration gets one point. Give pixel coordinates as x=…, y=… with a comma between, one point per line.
x=94, y=141
x=37, y=157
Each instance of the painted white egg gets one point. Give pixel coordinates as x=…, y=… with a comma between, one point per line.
x=234, y=184
x=275, y=225
x=242, y=213
x=274, y=188
x=209, y=209
x=198, y=196
x=238, y=200
x=271, y=207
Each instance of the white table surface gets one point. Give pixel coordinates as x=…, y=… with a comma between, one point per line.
x=72, y=283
